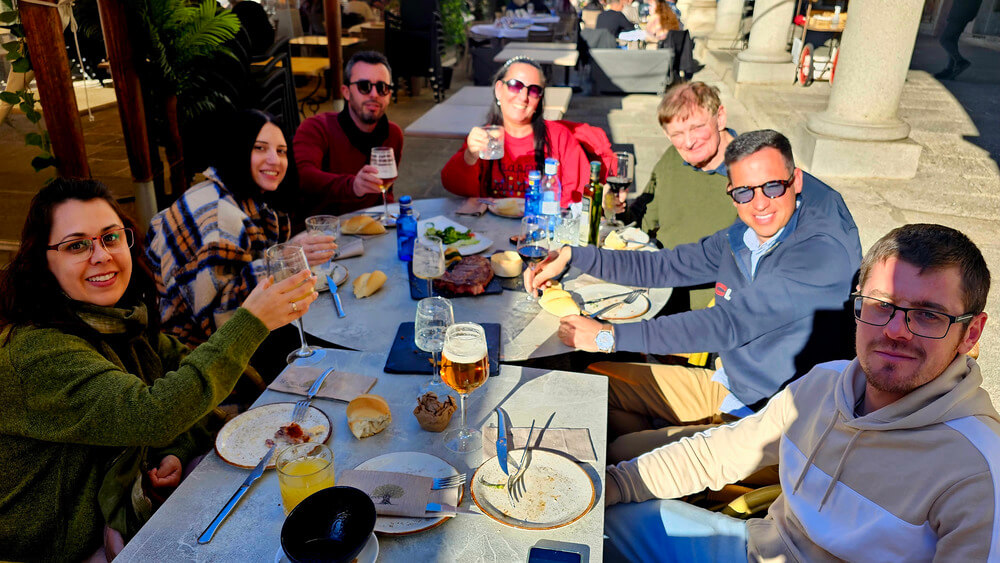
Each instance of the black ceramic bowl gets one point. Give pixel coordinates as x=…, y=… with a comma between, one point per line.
x=329, y=525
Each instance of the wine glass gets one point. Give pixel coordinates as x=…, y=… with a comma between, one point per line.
x=324, y=225
x=465, y=366
x=284, y=261
x=533, y=244
x=384, y=159
x=428, y=260
x=621, y=180
x=434, y=316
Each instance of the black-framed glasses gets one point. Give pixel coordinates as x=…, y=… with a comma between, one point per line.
x=514, y=86
x=772, y=189
x=365, y=86
x=81, y=249
x=921, y=322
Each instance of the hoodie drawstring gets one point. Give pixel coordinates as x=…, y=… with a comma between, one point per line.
x=840, y=464
x=840, y=467
x=815, y=450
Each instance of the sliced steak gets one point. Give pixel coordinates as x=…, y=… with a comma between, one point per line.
x=469, y=276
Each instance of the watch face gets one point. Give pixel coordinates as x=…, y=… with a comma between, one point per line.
x=605, y=341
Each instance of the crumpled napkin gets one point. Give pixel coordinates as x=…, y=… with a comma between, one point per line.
x=349, y=246
x=472, y=206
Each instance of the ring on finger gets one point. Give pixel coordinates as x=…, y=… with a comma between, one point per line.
x=295, y=308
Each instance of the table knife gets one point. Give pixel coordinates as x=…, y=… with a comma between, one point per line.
x=605, y=298
x=336, y=297
x=605, y=309
x=501, y=441
x=206, y=536
x=435, y=507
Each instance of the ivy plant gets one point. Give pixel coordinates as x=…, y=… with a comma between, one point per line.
x=24, y=99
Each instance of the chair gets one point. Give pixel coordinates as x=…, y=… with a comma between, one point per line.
x=374, y=38
x=275, y=68
x=589, y=18
x=413, y=52
x=546, y=36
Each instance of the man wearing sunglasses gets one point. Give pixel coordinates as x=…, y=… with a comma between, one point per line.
x=782, y=277
x=894, y=456
x=332, y=150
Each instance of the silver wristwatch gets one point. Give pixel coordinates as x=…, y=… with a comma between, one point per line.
x=605, y=341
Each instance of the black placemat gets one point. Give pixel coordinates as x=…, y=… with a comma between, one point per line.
x=405, y=357
x=418, y=287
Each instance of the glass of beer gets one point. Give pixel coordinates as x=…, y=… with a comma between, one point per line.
x=384, y=159
x=494, y=146
x=303, y=469
x=464, y=367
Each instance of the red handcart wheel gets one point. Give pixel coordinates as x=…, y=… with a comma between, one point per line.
x=833, y=65
x=805, y=76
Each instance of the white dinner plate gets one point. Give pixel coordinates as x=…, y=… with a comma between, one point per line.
x=557, y=493
x=377, y=212
x=368, y=554
x=242, y=441
x=441, y=223
x=624, y=312
x=512, y=207
x=414, y=463
x=339, y=275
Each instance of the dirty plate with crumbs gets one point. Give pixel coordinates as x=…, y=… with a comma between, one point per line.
x=244, y=439
x=558, y=492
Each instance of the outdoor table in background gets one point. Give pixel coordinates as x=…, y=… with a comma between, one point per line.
x=371, y=323
x=321, y=41
x=557, y=99
x=465, y=109
x=490, y=30
x=559, y=54
x=252, y=531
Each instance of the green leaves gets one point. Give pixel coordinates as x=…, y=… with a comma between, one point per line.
x=10, y=97
x=33, y=139
x=42, y=162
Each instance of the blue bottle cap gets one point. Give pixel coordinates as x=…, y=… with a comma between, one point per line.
x=405, y=200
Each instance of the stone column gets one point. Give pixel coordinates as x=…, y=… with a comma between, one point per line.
x=860, y=133
x=766, y=59
x=700, y=17
x=728, y=14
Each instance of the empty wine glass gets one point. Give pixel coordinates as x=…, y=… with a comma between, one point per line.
x=325, y=225
x=533, y=244
x=284, y=261
x=428, y=260
x=434, y=316
x=384, y=159
x=465, y=365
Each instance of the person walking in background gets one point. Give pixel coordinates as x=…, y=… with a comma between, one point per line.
x=961, y=13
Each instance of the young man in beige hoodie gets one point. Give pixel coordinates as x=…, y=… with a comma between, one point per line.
x=893, y=456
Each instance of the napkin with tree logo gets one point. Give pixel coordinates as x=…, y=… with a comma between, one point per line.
x=394, y=494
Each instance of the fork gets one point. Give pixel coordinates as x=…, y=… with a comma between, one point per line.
x=448, y=482
x=630, y=298
x=515, y=483
x=302, y=407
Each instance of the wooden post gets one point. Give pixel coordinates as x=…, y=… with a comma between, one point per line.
x=131, y=108
x=332, y=10
x=43, y=31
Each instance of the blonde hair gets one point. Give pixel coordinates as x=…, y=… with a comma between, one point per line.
x=681, y=100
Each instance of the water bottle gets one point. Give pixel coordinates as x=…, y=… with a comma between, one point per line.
x=406, y=230
x=551, y=193
x=533, y=195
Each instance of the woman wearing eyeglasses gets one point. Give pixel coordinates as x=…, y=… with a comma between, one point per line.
x=97, y=403
x=518, y=104
x=207, y=249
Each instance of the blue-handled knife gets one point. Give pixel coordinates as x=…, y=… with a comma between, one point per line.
x=502, y=440
x=336, y=297
x=206, y=536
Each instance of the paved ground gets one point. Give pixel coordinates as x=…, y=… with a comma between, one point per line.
x=957, y=184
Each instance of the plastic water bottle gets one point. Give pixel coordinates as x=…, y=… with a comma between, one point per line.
x=533, y=195
x=406, y=230
x=551, y=193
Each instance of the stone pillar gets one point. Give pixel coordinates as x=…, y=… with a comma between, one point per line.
x=728, y=14
x=766, y=59
x=860, y=133
x=700, y=17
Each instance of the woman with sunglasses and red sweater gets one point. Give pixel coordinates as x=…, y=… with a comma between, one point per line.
x=518, y=96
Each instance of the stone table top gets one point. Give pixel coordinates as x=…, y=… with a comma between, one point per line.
x=371, y=323
x=251, y=533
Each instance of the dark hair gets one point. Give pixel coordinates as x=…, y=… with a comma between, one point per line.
x=495, y=116
x=934, y=247
x=30, y=293
x=231, y=159
x=367, y=57
x=751, y=142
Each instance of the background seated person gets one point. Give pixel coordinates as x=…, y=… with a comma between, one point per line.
x=613, y=20
x=207, y=249
x=519, y=96
x=779, y=271
x=333, y=150
x=890, y=457
x=97, y=402
x=685, y=198
x=662, y=20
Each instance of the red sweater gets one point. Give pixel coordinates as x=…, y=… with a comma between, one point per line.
x=510, y=174
x=327, y=163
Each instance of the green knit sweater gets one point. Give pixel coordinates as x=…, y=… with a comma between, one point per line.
x=66, y=412
x=687, y=205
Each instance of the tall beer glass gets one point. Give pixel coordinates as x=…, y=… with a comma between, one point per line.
x=464, y=367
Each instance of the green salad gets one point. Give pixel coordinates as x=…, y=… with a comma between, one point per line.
x=451, y=236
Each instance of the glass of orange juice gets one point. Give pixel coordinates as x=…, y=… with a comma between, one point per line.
x=303, y=469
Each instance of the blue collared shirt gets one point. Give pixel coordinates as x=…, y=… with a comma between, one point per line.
x=721, y=168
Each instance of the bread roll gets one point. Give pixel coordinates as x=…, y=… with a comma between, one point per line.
x=506, y=264
x=614, y=241
x=361, y=225
x=559, y=302
x=367, y=284
x=368, y=415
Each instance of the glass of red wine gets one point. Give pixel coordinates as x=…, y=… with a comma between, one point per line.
x=533, y=245
x=619, y=181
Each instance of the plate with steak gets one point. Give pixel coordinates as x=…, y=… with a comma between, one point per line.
x=246, y=438
x=468, y=277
